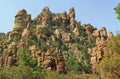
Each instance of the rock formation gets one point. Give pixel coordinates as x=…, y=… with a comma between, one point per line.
x=21, y=20
x=98, y=51
x=51, y=39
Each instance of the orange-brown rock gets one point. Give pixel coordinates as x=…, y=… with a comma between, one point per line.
x=76, y=31
x=96, y=33
x=26, y=32
x=67, y=37
x=71, y=14
x=10, y=61
x=98, y=51
x=60, y=64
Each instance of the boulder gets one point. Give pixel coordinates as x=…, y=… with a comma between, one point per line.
x=96, y=33
x=67, y=37
x=46, y=16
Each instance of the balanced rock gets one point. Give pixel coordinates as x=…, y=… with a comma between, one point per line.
x=21, y=20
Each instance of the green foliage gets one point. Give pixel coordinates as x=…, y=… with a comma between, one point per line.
x=26, y=72
x=72, y=75
x=74, y=65
x=85, y=61
x=30, y=42
x=44, y=47
x=110, y=67
x=57, y=43
x=117, y=10
x=34, y=41
x=63, y=47
x=38, y=43
x=22, y=72
x=63, y=27
x=18, y=37
x=26, y=59
x=80, y=65
x=114, y=45
x=53, y=75
x=91, y=41
x=4, y=74
x=77, y=39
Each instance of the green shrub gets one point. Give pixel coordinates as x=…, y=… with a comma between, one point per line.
x=26, y=58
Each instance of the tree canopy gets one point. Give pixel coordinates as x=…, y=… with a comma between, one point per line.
x=117, y=9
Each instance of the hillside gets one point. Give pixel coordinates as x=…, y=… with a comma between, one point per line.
x=54, y=42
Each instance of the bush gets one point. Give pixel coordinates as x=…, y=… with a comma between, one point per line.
x=26, y=58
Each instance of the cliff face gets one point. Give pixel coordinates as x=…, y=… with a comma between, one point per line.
x=52, y=39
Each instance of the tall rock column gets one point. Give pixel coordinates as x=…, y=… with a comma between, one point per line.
x=98, y=51
x=60, y=64
x=71, y=16
x=21, y=20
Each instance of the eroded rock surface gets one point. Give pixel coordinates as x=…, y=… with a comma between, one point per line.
x=51, y=39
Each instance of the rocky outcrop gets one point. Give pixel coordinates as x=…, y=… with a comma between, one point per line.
x=98, y=51
x=51, y=39
x=60, y=64
x=44, y=17
x=89, y=28
x=21, y=20
x=48, y=60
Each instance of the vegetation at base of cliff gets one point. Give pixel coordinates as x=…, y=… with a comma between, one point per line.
x=27, y=69
x=26, y=72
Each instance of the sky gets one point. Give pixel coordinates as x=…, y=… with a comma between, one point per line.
x=98, y=13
